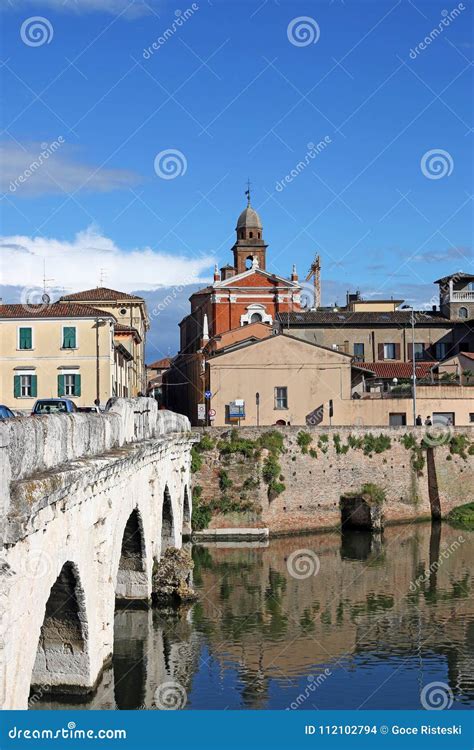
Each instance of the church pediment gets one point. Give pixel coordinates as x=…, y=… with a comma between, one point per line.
x=256, y=278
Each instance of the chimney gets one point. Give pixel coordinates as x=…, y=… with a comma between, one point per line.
x=294, y=275
x=217, y=276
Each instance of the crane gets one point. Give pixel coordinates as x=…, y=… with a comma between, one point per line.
x=314, y=273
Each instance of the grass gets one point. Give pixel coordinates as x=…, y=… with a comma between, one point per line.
x=462, y=517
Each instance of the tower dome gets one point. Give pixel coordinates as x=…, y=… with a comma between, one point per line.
x=249, y=218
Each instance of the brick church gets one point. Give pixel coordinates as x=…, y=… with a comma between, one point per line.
x=242, y=293
x=241, y=303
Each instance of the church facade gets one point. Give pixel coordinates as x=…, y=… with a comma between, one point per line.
x=242, y=294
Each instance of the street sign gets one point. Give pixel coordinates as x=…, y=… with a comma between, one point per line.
x=201, y=411
x=212, y=413
x=207, y=394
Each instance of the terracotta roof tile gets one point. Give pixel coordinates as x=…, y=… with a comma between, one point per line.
x=101, y=294
x=397, y=369
x=345, y=318
x=55, y=310
x=160, y=364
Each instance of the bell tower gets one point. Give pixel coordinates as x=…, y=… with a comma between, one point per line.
x=249, y=249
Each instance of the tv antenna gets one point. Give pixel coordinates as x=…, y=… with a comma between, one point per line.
x=315, y=274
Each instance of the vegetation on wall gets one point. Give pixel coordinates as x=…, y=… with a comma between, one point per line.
x=304, y=440
x=462, y=517
x=371, y=493
x=202, y=514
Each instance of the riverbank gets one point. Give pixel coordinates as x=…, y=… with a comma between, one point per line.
x=291, y=480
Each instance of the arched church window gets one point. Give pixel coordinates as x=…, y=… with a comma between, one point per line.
x=255, y=318
x=250, y=235
x=259, y=235
x=463, y=312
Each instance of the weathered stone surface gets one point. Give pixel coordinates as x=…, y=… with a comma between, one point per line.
x=314, y=482
x=68, y=507
x=359, y=512
x=171, y=578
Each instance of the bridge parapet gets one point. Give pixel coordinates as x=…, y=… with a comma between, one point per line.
x=35, y=444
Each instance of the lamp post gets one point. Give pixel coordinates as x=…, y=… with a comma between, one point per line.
x=412, y=320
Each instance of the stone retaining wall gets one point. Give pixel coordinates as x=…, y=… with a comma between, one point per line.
x=314, y=484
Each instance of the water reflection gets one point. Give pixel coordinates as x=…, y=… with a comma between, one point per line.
x=383, y=617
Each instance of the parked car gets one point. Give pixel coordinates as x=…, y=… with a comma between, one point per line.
x=6, y=413
x=89, y=409
x=54, y=406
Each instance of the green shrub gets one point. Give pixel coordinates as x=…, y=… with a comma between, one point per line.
x=458, y=445
x=202, y=514
x=196, y=459
x=224, y=481
x=470, y=450
x=304, y=439
x=376, y=444
x=354, y=442
x=462, y=516
x=418, y=459
x=272, y=441
x=206, y=443
x=409, y=441
x=340, y=448
x=313, y=453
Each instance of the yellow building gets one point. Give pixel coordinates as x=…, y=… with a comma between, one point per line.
x=55, y=350
x=131, y=329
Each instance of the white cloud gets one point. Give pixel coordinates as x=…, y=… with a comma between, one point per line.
x=126, y=8
x=40, y=168
x=77, y=265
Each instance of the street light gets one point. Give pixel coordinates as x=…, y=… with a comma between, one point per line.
x=412, y=319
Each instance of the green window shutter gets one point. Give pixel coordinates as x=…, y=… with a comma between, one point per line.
x=60, y=385
x=25, y=338
x=77, y=385
x=69, y=337
x=34, y=386
x=16, y=386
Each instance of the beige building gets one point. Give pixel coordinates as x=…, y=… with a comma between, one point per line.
x=74, y=349
x=55, y=350
x=281, y=379
x=133, y=323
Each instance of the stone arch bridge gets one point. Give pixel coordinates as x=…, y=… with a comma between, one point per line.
x=88, y=504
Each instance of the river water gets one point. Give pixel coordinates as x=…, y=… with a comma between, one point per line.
x=370, y=622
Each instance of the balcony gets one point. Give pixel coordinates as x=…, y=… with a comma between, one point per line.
x=462, y=296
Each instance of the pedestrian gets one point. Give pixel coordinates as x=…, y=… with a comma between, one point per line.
x=419, y=421
x=428, y=422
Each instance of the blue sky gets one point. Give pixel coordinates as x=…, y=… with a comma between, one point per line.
x=232, y=92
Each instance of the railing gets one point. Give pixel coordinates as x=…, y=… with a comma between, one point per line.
x=464, y=296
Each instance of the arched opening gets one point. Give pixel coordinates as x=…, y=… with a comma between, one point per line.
x=256, y=318
x=248, y=262
x=62, y=662
x=259, y=235
x=132, y=582
x=167, y=523
x=463, y=312
x=186, y=513
x=250, y=235
x=281, y=422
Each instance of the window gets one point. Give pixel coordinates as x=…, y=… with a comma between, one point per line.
x=441, y=350
x=69, y=337
x=359, y=352
x=397, y=419
x=25, y=338
x=250, y=235
x=256, y=318
x=471, y=417
x=69, y=384
x=463, y=312
x=24, y=385
x=281, y=397
x=443, y=417
x=389, y=351
x=419, y=351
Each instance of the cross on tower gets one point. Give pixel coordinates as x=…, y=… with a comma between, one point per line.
x=247, y=192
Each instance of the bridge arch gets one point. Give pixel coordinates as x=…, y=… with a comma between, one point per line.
x=62, y=652
x=132, y=576
x=186, y=512
x=167, y=522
